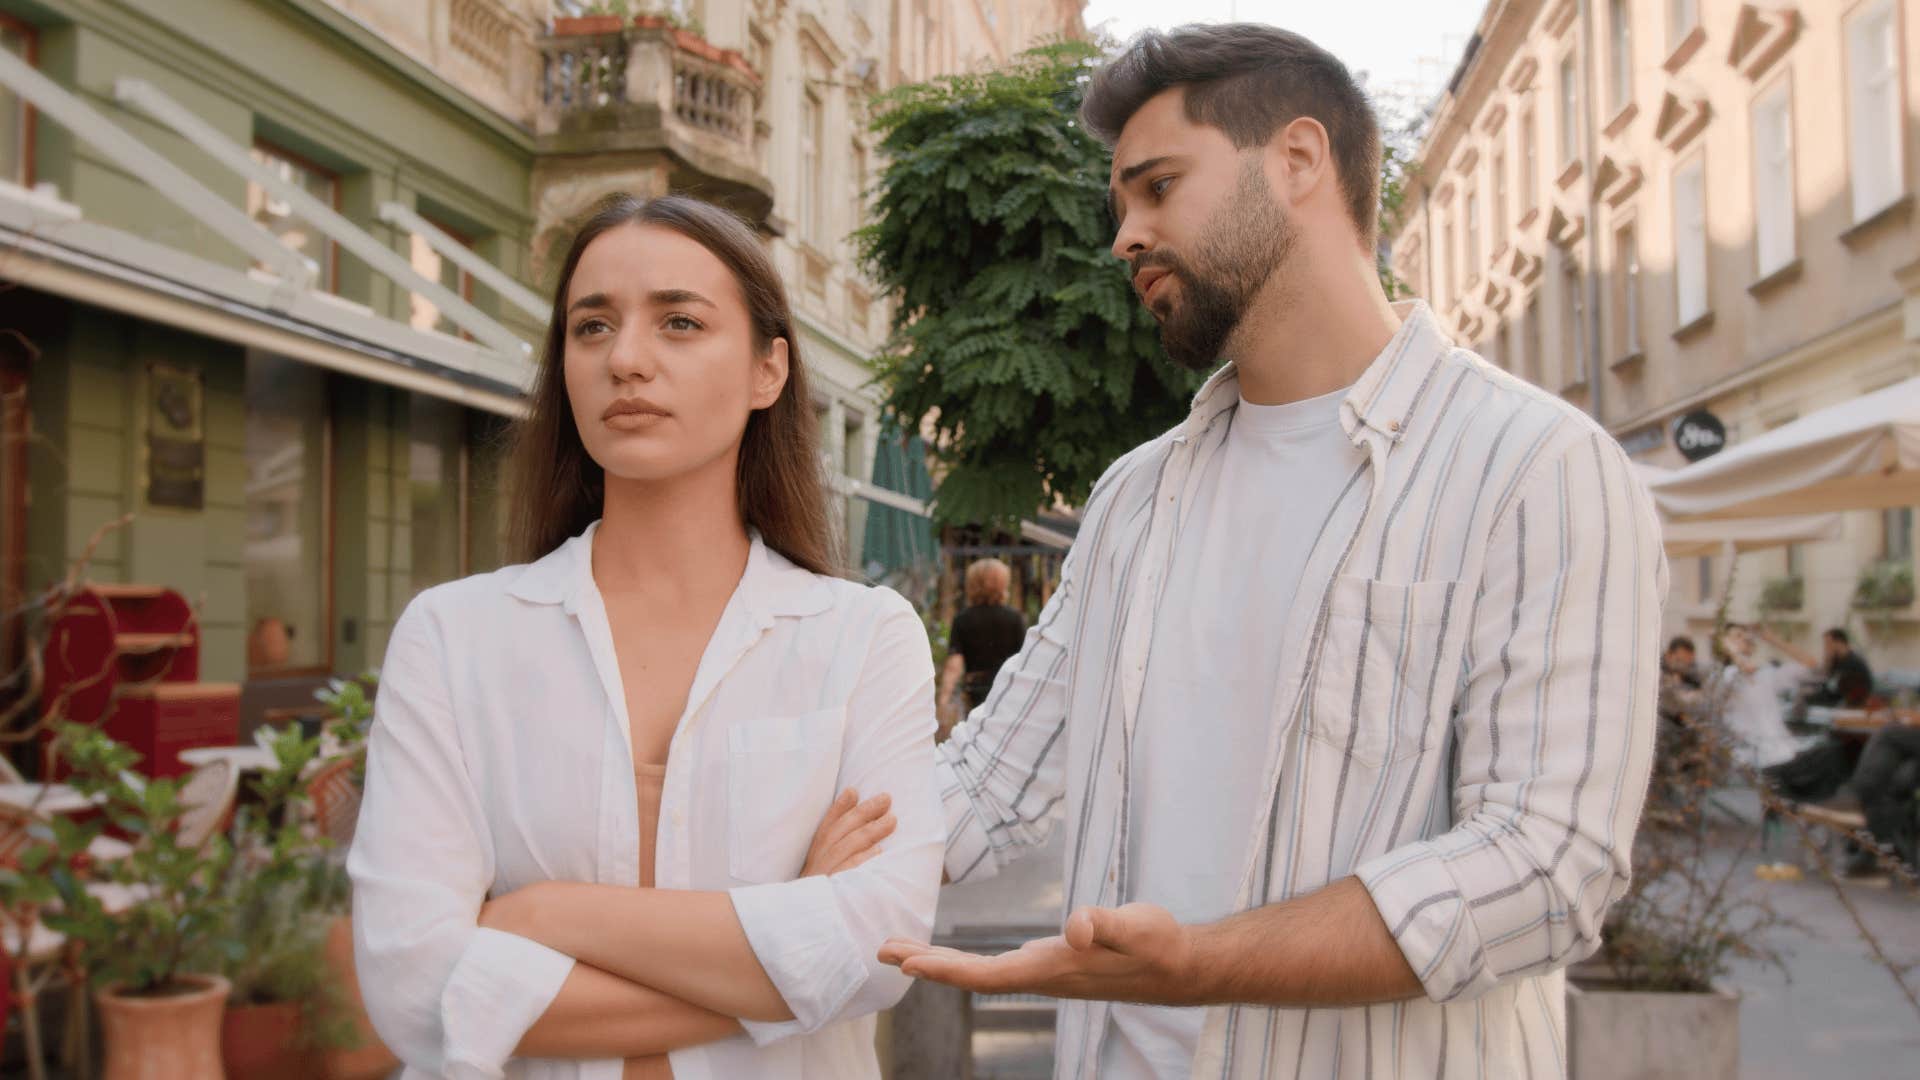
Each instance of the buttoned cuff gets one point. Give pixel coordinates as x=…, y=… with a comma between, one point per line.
x=500, y=986
x=1418, y=898
x=969, y=855
x=803, y=942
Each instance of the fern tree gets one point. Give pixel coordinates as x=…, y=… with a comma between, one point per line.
x=1017, y=335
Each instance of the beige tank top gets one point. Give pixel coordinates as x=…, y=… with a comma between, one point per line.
x=648, y=782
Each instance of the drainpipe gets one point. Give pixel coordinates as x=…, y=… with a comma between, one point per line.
x=1596, y=366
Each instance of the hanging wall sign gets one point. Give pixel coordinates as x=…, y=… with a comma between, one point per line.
x=176, y=438
x=1699, y=435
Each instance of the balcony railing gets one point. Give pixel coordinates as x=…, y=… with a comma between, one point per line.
x=617, y=78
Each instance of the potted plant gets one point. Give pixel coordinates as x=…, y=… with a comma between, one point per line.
x=147, y=956
x=285, y=1008
x=606, y=17
x=1782, y=594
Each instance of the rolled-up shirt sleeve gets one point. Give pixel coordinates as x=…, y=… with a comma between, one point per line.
x=819, y=938
x=1554, y=728
x=449, y=998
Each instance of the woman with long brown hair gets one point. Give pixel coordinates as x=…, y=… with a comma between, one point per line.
x=588, y=843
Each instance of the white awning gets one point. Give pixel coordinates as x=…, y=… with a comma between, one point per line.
x=1862, y=454
x=1693, y=538
x=51, y=247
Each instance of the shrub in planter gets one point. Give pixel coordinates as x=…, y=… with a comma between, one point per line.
x=1884, y=586
x=149, y=958
x=286, y=1006
x=1783, y=594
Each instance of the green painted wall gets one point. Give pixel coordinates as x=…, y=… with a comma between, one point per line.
x=298, y=72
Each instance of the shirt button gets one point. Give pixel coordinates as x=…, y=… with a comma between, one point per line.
x=1393, y=426
x=676, y=818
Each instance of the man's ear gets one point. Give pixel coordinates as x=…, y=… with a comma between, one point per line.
x=1299, y=159
x=770, y=375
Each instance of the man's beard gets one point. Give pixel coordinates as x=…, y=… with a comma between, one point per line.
x=1244, y=242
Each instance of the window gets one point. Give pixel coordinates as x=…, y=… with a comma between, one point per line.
x=1796, y=560
x=1443, y=263
x=277, y=215
x=1773, y=199
x=1626, y=299
x=432, y=265
x=16, y=116
x=1529, y=162
x=1471, y=224
x=1896, y=534
x=1682, y=17
x=1873, y=110
x=1569, y=111
x=1706, y=578
x=1536, y=342
x=1500, y=197
x=1690, y=240
x=437, y=488
x=289, y=620
x=812, y=182
x=860, y=182
x=1573, y=319
x=1619, y=56
x=1503, y=341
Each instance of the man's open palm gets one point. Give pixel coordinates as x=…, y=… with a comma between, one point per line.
x=1134, y=953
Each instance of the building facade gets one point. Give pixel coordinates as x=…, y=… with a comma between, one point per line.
x=276, y=271
x=1657, y=207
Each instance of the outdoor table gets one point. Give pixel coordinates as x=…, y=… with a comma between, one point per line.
x=242, y=758
x=52, y=798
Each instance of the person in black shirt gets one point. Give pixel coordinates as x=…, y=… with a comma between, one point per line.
x=1845, y=680
x=984, y=635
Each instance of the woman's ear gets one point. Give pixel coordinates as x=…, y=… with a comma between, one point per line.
x=770, y=375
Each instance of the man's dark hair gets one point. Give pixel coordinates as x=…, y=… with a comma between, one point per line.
x=1839, y=636
x=1682, y=642
x=1249, y=81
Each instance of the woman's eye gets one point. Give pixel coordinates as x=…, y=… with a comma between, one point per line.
x=589, y=326
x=685, y=323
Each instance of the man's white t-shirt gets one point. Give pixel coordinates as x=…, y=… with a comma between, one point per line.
x=1207, y=703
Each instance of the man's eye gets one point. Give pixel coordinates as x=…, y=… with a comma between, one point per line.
x=1159, y=187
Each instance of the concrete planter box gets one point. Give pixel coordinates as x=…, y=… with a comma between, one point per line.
x=1635, y=1035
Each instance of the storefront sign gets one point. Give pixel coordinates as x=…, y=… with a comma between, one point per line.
x=1699, y=434
x=176, y=438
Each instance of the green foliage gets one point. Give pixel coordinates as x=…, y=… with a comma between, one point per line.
x=282, y=899
x=1017, y=333
x=1782, y=594
x=177, y=908
x=253, y=905
x=1884, y=586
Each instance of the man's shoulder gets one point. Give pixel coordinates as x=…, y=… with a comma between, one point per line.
x=1557, y=426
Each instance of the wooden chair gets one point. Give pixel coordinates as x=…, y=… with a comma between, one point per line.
x=207, y=797
x=336, y=800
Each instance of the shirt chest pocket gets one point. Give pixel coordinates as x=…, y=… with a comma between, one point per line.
x=781, y=776
x=1384, y=685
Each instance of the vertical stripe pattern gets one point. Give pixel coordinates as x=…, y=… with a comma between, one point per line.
x=1464, y=725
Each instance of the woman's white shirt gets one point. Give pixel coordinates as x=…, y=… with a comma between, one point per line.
x=501, y=756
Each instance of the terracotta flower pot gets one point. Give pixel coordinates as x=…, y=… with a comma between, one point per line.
x=574, y=25
x=164, y=1037
x=262, y=1042
x=369, y=1058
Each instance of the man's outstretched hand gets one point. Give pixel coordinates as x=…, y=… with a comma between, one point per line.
x=1134, y=953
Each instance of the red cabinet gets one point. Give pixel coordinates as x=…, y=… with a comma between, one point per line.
x=127, y=657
